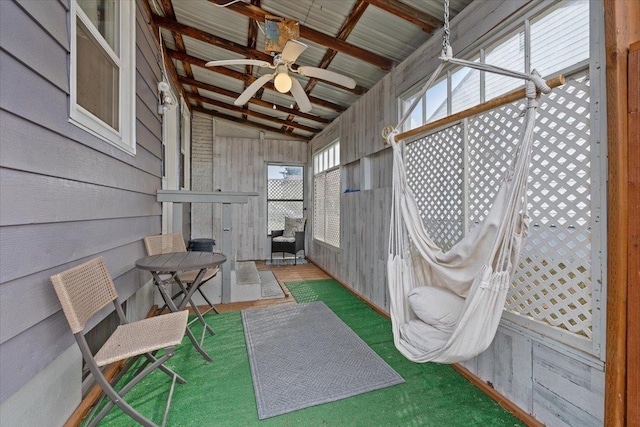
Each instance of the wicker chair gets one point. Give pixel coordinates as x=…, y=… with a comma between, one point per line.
x=279, y=243
x=86, y=289
x=174, y=242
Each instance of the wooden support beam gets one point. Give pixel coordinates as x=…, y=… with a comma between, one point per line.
x=315, y=36
x=621, y=28
x=167, y=6
x=240, y=76
x=417, y=17
x=260, y=126
x=633, y=251
x=167, y=61
x=203, y=36
x=252, y=113
x=348, y=26
x=252, y=42
x=255, y=101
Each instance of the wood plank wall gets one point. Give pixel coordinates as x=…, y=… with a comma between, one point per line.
x=65, y=195
x=555, y=384
x=238, y=164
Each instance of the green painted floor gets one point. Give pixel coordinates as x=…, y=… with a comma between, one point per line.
x=221, y=393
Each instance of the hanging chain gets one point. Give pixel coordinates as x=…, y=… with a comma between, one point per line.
x=446, y=30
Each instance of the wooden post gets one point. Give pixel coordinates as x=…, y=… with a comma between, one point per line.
x=633, y=256
x=621, y=18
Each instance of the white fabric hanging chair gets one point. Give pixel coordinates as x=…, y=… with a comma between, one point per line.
x=446, y=305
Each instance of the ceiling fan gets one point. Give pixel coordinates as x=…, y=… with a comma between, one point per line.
x=283, y=64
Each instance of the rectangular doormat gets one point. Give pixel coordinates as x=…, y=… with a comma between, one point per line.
x=303, y=355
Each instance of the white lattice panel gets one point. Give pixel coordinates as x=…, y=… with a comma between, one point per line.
x=435, y=173
x=553, y=280
x=332, y=208
x=318, y=206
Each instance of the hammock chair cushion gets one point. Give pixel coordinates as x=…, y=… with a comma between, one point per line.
x=436, y=306
x=424, y=337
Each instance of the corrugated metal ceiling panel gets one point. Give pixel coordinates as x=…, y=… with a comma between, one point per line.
x=377, y=31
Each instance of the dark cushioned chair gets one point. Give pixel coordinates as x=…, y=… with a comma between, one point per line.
x=289, y=245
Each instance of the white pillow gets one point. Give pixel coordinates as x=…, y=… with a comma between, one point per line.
x=424, y=337
x=436, y=306
x=291, y=225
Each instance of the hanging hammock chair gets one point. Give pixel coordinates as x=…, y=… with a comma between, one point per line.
x=445, y=306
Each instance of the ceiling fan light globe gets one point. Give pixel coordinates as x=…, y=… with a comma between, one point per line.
x=282, y=82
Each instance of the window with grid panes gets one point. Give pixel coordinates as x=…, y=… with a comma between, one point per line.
x=285, y=194
x=326, y=195
x=102, y=77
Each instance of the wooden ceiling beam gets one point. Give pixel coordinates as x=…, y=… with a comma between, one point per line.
x=167, y=6
x=235, y=109
x=195, y=33
x=348, y=26
x=315, y=36
x=240, y=76
x=167, y=61
x=426, y=22
x=254, y=101
x=244, y=122
x=252, y=42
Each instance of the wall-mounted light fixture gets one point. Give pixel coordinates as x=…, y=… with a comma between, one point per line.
x=165, y=98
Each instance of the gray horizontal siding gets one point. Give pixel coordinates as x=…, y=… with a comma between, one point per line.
x=66, y=196
x=35, y=199
x=50, y=15
x=29, y=352
x=43, y=152
x=36, y=291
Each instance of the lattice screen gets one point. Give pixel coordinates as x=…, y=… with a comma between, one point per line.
x=436, y=176
x=291, y=193
x=326, y=220
x=553, y=280
x=318, y=206
x=332, y=208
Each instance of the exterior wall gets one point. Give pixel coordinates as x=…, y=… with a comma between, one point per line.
x=65, y=197
x=555, y=383
x=229, y=163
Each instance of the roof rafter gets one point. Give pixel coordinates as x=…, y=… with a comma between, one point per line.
x=417, y=17
x=167, y=6
x=255, y=101
x=348, y=26
x=240, y=76
x=257, y=114
x=168, y=63
x=315, y=36
x=185, y=30
x=245, y=122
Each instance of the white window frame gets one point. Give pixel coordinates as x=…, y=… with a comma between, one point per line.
x=123, y=139
x=325, y=160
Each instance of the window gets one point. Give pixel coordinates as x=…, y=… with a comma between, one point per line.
x=285, y=194
x=326, y=195
x=102, y=80
x=556, y=40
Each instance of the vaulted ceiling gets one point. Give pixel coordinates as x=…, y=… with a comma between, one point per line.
x=363, y=39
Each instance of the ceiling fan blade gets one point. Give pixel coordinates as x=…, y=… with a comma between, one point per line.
x=321, y=73
x=292, y=50
x=257, y=62
x=252, y=89
x=300, y=96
